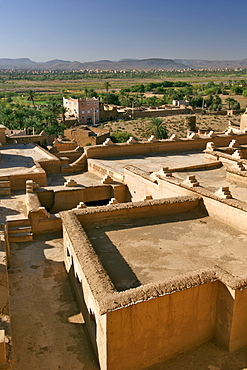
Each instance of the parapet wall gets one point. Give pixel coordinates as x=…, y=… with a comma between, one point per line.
x=232, y=212
x=48, y=162
x=26, y=139
x=164, y=318
x=68, y=198
x=127, y=211
x=102, y=170
x=41, y=220
x=125, y=149
x=18, y=181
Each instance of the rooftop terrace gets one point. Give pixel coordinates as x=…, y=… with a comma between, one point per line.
x=154, y=161
x=138, y=252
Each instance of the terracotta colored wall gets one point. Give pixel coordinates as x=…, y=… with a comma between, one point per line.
x=70, y=198
x=231, y=216
x=146, y=333
x=160, y=146
x=2, y=136
x=146, y=328
x=64, y=146
x=238, y=336
x=72, y=156
x=56, y=201
x=86, y=300
x=138, y=210
x=82, y=137
x=18, y=182
x=26, y=139
x=243, y=121
x=102, y=170
x=46, y=225
x=140, y=187
x=224, y=307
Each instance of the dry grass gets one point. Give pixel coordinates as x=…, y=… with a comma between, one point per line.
x=174, y=124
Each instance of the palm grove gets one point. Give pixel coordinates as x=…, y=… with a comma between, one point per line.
x=25, y=111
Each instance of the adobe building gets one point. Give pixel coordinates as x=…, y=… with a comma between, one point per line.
x=154, y=237
x=85, y=110
x=2, y=134
x=110, y=113
x=153, y=276
x=243, y=121
x=84, y=135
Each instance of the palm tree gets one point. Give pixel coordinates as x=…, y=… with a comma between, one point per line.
x=157, y=128
x=86, y=92
x=63, y=110
x=106, y=86
x=229, y=101
x=31, y=97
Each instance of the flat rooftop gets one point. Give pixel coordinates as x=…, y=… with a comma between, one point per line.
x=84, y=179
x=210, y=178
x=20, y=158
x=138, y=252
x=154, y=161
x=213, y=179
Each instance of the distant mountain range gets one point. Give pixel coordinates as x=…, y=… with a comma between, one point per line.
x=201, y=63
x=129, y=64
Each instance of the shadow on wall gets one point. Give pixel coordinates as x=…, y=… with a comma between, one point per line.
x=88, y=316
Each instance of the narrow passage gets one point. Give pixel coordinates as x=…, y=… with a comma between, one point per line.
x=47, y=327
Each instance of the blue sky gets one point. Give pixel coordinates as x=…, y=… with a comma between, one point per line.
x=92, y=30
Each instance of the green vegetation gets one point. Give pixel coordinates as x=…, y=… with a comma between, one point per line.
x=232, y=103
x=120, y=136
x=157, y=128
x=34, y=99
x=19, y=117
x=92, y=75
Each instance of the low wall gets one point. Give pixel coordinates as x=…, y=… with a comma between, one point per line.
x=68, y=198
x=81, y=279
x=160, y=112
x=48, y=162
x=236, y=176
x=140, y=185
x=140, y=327
x=63, y=146
x=232, y=212
x=102, y=170
x=45, y=225
x=155, y=330
x=18, y=181
x=72, y=155
x=225, y=211
x=26, y=139
x=41, y=221
x=102, y=151
x=226, y=156
x=152, y=208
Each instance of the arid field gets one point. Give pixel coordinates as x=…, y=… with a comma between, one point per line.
x=174, y=124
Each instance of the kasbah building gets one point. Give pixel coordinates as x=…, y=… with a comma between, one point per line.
x=152, y=237
x=85, y=110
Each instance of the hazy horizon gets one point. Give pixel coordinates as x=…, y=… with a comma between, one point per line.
x=122, y=59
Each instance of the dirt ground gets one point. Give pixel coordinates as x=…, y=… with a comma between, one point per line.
x=48, y=329
x=174, y=124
